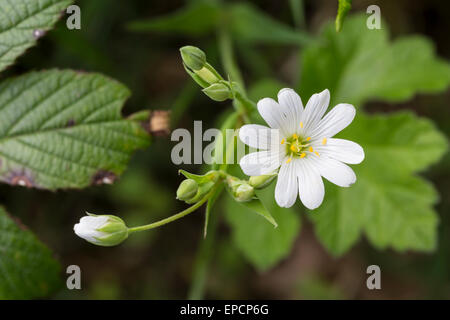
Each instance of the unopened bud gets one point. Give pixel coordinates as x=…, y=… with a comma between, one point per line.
x=187, y=189
x=244, y=192
x=103, y=230
x=259, y=182
x=193, y=57
x=218, y=92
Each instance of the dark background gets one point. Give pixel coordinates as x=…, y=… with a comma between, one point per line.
x=159, y=264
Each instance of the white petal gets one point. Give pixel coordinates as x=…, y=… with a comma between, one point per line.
x=287, y=185
x=341, y=150
x=259, y=137
x=336, y=172
x=336, y=120
x=310, y=184
x=315, y=109
x=258, y=163
x=274, y=114
x=290, y=100
x=87, y=227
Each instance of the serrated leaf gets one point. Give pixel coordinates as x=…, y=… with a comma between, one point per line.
x=388, y=203
x=22, y=22
x=262, y=244
x=359, y=64
x=27, y=267
x=63, y=129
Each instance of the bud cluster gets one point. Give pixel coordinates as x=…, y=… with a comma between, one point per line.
x=214, y=86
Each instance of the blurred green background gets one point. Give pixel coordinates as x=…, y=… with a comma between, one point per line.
x=160, y=264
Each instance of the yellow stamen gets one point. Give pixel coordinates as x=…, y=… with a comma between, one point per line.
x=301, y=124
x=282, y=141
x=293, y=148
x=295, y=136
x=288, y=160
x=309, y=138
x=303, y=155
x=311, y=149
x=324, y=141
x=317, y=154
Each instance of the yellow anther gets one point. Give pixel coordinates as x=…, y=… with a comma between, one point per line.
x=311, y=149
x=282, y=141
x=303, y=155
x=301, y=124
x=288, y=160
x=295, y=136
x=324, y=141
x=293, y=148
x=309, y=138
x=317, y=154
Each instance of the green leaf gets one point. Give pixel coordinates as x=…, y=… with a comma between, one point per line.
x=23, y=22
x=63, y=129
x=391, y=205
x=251, y=25
x=359, y=64
x=262, y=244
x=196, y=19
x=257, y=206
x=247, y=23
x=27, y=267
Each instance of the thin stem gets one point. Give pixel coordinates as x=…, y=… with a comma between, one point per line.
x=174, y=217
x=228, y=61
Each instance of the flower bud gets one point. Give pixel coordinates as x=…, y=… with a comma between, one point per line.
x=244, y=192
x=187, y=189
x=193, y=57
x=218, y=91
x=103, y=230
x=259, y=182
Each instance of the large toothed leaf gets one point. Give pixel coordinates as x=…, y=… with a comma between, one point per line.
x=390, y=204
x=22, y=22
x=262, y=244
x=63, y=129
x=359, y=64
x=27, y=267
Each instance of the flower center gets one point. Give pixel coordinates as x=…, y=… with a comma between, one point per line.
x=298, y=147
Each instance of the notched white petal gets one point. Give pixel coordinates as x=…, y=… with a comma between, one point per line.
x=286, y=189
x=315, y=109
x=336, y=120
x=290, y=100
x=258, y=163
x=310, y=184
x=340, y=149
x=336, y=172
x=259, y=137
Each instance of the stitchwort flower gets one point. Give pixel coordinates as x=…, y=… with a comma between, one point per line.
x=300, y=143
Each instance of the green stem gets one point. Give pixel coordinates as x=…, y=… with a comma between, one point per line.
x=175, y=216
x=228, y=61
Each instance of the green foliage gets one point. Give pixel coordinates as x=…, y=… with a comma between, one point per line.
x=22, y=22
x=388, y=202
x=247, y=23
x=359, y=64
x=27, y=267
x=261, y=243
x=63, y=129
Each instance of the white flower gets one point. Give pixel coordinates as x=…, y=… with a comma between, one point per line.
x=104, y=230
x=299, y=142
